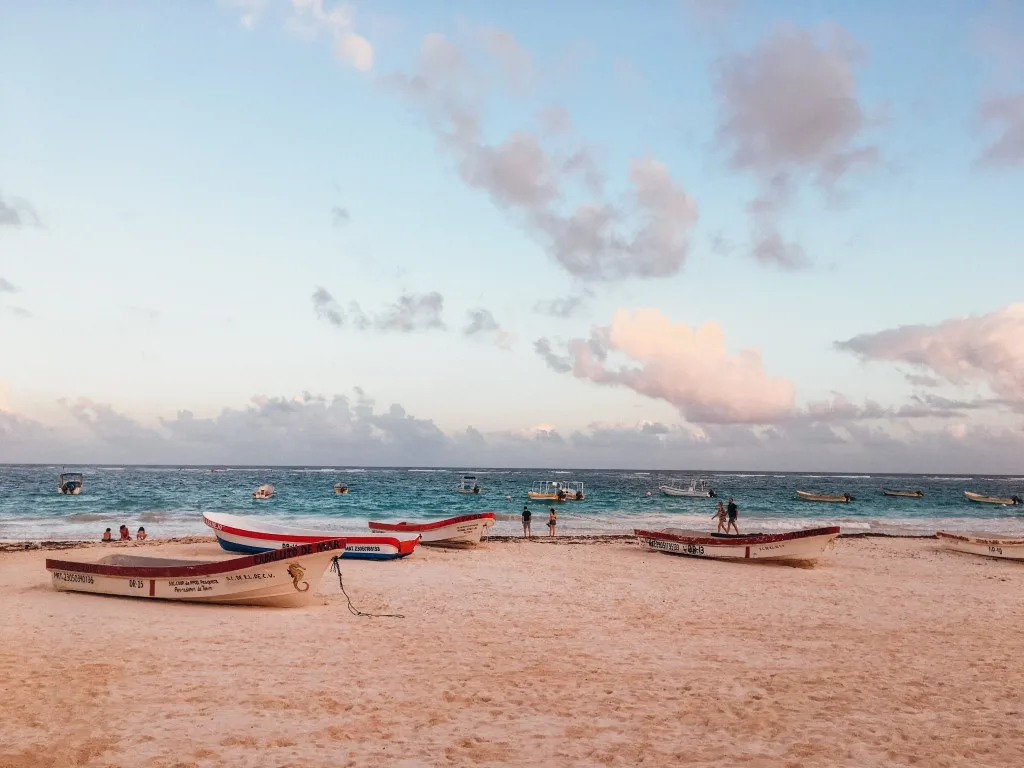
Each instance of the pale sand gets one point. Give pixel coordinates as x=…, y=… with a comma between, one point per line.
x=888, y=652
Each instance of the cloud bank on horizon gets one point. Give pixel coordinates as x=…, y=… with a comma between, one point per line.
x=735, y=261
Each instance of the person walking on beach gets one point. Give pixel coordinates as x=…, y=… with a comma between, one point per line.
x=552, y=521
x=526, y=522
x=732, y=511
x=720, y=514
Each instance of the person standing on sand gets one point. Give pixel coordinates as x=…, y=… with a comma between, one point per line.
x=526, y=522
x=732, y=511
x=552, y=521
x=720, y=514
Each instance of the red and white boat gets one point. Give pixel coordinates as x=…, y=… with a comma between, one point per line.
x=236, y=533
x=453, y=531
x=989, y=545
x=793, y=545
x=283, y=578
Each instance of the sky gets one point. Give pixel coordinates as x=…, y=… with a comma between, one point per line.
x=707, y=235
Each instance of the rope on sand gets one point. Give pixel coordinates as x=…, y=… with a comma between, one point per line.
x=336, y=567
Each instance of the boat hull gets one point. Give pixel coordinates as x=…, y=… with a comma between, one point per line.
x=465, y=530
x=796, y=545
x=1004, y=549
x=903, y=494
x=244, y=535
x=685, y=492
x=69, y=491
x=806, y=496
x=1006, y=501
x=282, y=579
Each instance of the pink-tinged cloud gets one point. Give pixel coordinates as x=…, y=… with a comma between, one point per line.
x=986, y=348
x=691, y=368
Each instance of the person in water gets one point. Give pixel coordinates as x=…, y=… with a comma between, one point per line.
x=526, y=521
x=732, y=511
x=107, y=536
x=552, y=521
x=141, y=535
x=721, y=515
x=125, y=533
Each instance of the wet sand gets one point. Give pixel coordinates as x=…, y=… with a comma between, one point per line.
x=887, y=652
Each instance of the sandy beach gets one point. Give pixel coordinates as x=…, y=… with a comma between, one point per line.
x=887, y=652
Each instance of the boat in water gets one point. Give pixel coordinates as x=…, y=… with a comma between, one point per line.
x=696, y=489
x=808, y=496
x=987, y=545
x=556, y=490
x=70, y=483
x=793, y=545
x=265, y=491
x=238, y=533
x=903, y=494
x=468, y=484
x=1007, y=501
x=284, y=578
x=340, y=488
x=463, y=530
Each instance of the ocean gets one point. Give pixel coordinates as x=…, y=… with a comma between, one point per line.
x=169, y=501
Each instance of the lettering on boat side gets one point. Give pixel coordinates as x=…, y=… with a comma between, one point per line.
x=249, y=576
x=363, y=548
x=671, y=546
x=74, y=578
x=137, y=583
x=188, y=586
x=996, y=550
x=298, y=550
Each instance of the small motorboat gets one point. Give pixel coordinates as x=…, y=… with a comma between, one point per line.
x=468, y=484
x=265, y=491
x=284, y=577
x=453, y=531
x=340, y=488
x=793, y=545
x=987, y=545
x=903, y=494
x=696, y=489
x=237, y=533
x=808, y=496
x=70, y=483
x=1007, y=501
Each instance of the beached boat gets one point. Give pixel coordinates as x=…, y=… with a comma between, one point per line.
x=556, y=490
x=468, y=484
x=904, y=494
x=793, y=545
x=1008, y=501
x=340, y=488
x=808, y=496
x=70, y=483
x=265, y=491
x=696, y=489
x=983, y=544
x=453, y=531
x=282, y=578
x=237, y=533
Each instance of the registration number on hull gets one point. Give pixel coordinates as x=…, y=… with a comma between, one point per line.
x=676, y=547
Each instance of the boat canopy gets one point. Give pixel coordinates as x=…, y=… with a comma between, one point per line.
x=70, y=477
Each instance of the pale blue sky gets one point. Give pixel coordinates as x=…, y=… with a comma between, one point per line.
x=184, y=167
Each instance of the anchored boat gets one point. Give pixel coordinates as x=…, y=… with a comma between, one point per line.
x=793, y=545
x=265, y=491
x=281, y=578
x=468, y=484
x=904, y=494
x=236, y=533
x=453, y=531
x=1007, y=501
x=696, y=489
x=70, y=483
x=340, y=488
x=556, y=490
x=808, y=496
x=983, y=544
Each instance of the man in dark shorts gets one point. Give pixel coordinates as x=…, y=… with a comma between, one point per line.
x=731, y=511
x=526, y=521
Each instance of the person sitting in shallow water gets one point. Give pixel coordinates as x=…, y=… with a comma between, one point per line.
x=107, y=536
x=141, y=535
x=125, y=533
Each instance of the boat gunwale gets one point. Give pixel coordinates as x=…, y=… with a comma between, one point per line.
x=764, y=538
x=431, y=526
x=967, y=539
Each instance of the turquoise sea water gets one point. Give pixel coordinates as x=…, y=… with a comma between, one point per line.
x=169, y=501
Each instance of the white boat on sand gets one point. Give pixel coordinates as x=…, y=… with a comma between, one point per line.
x=237, y=533
x=265, y=491
x=285, y=578
x=696, y=489
x=1007, y=501
x=988, y=545
x=792, y=545
x=808, y=496
x=453, y=531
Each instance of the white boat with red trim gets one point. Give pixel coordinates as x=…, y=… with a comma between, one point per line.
x=988, y=545
x=282, y=578
x=453, y=531
x=791, y=545
x=236, y=533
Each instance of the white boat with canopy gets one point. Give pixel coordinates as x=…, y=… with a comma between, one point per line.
x=696, y=489
x=265, y=491
x=468, y=484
